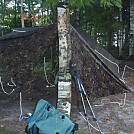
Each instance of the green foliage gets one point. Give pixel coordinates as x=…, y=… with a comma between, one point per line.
x=109, y=3
x=45, y=21
x=39, y=68
x=103, y=24
x=83, y=3
x=10, y=16
x=50, y=3
x=80, y=3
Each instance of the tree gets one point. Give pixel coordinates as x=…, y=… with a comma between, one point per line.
x=126, y=26
x=64, y=80
x=15, y=14
x=104, y=25
x=131, y=47
x=22, y=14
x=82, y=3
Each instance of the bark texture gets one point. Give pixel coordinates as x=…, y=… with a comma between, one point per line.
x=64, y=82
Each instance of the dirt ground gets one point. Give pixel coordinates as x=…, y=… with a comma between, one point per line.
x=113, y=118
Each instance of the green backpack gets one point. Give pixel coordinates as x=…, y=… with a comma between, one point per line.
x=48, y=120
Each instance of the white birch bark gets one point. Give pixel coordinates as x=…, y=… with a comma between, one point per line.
x=22, y=14
x=64, y=81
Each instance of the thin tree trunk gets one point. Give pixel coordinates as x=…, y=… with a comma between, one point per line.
x=119, y=38
x=77, y=16
x=15, y=15
x=110, y=43
x=131, y=47
x=119, y=43
x=126, y=21
x=64, y=82
x=105, y=40
x=53, y=15
x=91, y=26
x=22, y=15
x=2, y=17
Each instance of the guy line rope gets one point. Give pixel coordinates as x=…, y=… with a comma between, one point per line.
x=49, y=84
x=122, y=79
x=14, y=86
x=20, y=94
x=107, y=101
x=118, y=68
x=2, y=87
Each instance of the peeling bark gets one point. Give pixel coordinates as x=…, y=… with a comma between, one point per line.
x=64, y=82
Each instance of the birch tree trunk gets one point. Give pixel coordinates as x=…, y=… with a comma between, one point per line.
x=64, y=81
x=22, y=15
x=131, y=47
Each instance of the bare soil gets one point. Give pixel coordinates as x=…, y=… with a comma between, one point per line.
x=112, y=118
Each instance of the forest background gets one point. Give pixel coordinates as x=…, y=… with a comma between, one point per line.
x=110, y=23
